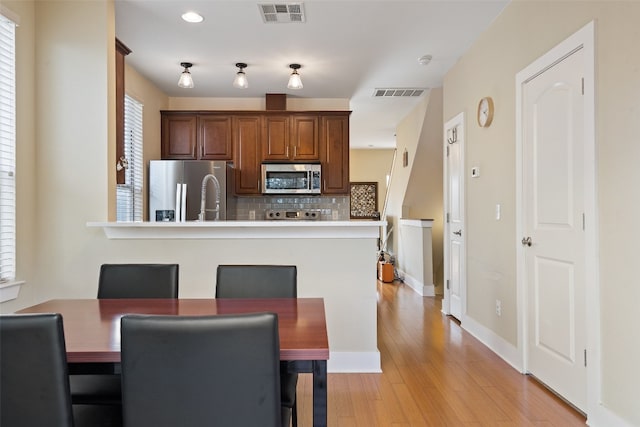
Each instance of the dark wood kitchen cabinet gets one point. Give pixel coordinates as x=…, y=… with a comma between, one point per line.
x=249, y=138
x=334, y=137
x=275, y=137
x=290, y=138
x=193, y=136
x=304, y=138
x=215, y=137
x=247, y=161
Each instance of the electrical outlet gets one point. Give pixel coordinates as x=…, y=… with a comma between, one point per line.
x=252, y=215
x=334, y=215
x=498, y=308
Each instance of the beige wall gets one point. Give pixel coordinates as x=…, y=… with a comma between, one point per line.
x=153, y=100
x=416, y=190
x=523, y=32
x=407, y=138
x=26, y=197
x=424, y=197
x=67, y=171
x=293, y=104
x=371, y=166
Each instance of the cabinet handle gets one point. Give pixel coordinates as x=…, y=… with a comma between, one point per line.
x=287, y=151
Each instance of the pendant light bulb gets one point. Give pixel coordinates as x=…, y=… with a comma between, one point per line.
x=186, y=81
x=295, y=82
x=241, y=81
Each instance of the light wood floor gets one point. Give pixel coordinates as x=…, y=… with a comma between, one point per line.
x=434, y=374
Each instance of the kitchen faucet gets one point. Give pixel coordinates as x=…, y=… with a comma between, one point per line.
x=203, y=197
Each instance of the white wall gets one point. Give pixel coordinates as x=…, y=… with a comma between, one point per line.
x=523, y=32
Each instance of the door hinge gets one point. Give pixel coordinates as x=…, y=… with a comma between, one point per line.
x=585, y=357
x=583, y=222
x=447, y=151
x=447, y=217
x=583, y=85
x=447, y=283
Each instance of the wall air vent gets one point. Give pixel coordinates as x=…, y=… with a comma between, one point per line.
x=282, y=13
x=398, y=92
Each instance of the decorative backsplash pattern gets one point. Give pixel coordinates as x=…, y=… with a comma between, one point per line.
x=331, y=208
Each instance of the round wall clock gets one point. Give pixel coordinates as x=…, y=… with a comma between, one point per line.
x=485, y=111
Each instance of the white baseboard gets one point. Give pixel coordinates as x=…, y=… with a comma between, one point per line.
x=600, y=416
x=417, y=285
x=354, y=362
x=603, y=417
x=496, y=343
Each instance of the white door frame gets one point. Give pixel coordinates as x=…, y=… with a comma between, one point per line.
x=583, y=39
x=456, y=121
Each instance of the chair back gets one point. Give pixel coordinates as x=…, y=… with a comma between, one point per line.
x=34, y=382
x=138, y=281
x=194, y=371
x=256, y=281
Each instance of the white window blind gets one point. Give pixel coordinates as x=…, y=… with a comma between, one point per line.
x=7, y=149
x=129, y=194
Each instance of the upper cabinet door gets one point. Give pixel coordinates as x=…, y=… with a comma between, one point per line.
x=304, y=138
x=215, y=138
x=247, y=154
x=275, y=138
x=334, y=134
x=179, y=136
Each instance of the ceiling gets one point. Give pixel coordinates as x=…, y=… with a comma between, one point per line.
x=347, y=49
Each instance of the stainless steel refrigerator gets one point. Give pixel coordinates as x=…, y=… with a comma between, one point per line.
x=176, y=190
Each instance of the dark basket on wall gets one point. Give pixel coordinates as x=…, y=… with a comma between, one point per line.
x=364, y=200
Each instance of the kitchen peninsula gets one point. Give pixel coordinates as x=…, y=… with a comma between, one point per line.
x=335, y=260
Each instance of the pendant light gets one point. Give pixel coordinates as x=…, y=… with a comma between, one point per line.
x=241, y=81
x=186, y=80
x=295, y=82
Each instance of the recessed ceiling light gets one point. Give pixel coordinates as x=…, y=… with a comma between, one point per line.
x=192, y=17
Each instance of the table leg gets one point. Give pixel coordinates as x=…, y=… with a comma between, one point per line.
x=319, y=393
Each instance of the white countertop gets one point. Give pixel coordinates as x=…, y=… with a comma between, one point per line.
x=358, y=229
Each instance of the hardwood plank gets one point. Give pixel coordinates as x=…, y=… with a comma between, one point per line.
x=434, y=374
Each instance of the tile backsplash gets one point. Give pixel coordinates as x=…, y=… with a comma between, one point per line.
x=327, y=205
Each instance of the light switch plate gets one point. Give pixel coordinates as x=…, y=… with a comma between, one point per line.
x=475, y=172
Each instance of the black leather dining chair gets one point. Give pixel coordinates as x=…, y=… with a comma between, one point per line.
x=34, y=385
x=192, y=371
x=264, y=281
x=122, y=281
x=138, y=281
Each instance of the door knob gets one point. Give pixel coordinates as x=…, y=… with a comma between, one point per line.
x=458, y=233
x=526, y=241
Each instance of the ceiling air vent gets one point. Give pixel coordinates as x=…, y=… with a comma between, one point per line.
x=398, y=92
x=282, y=13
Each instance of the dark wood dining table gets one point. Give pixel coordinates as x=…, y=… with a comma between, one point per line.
x=92, y=331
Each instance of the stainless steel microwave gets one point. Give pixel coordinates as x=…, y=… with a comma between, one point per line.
x=291, y=178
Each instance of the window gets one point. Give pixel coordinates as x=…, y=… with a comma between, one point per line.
x=7, y=149
x=129, y=194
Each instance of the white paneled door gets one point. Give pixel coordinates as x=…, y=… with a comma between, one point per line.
x=454, y=217
x=553, y=238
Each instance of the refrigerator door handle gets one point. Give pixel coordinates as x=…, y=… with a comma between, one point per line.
x=178, y=212
x=183, y=204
